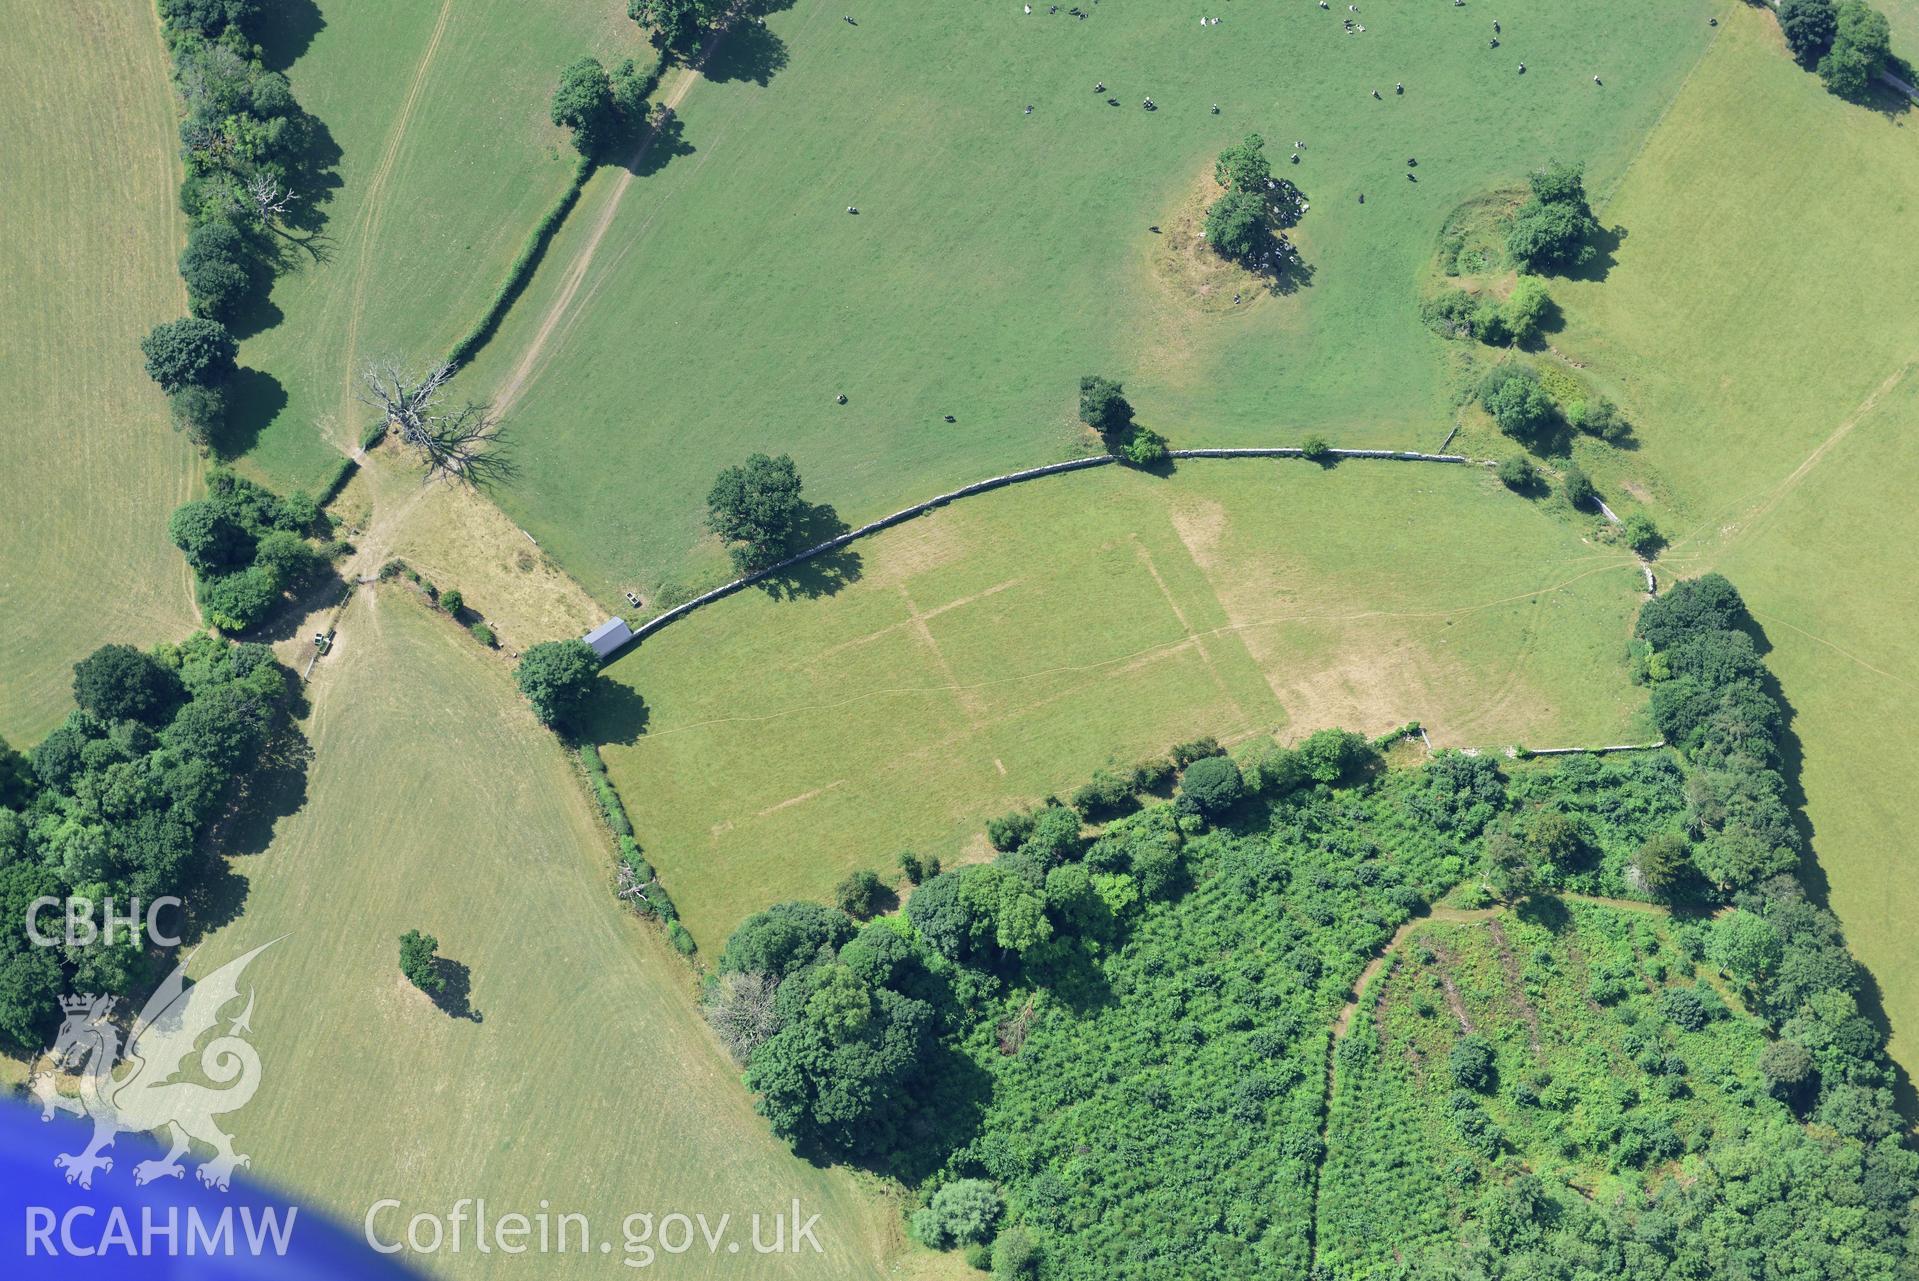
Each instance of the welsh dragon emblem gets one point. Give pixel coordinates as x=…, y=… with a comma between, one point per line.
x=149, y=1097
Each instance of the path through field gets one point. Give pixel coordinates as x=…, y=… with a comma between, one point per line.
x=373, y=206
x=683, y=79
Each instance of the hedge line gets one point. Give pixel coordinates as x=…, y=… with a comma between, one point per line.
x=341, y=475
x=635, y=870
x=655, y=623
x=521, y=272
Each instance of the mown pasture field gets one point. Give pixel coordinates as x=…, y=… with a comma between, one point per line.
x=446, y=161
x=434, y=801
x=1756, y=326
x=727, y=298
x=999, y=650
x=86, y=268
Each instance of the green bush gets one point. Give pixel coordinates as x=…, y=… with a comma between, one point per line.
x=859, y=893
x=1516, y=401
x=1145, y=448
x=1186, y=753
x=681, y=940
x=962, y=1212
x=484, y=634
x=452, y=602
x=1517, y=474
x=199, y=411
x=1315, y=448
x=1103, y=405
x=1526, y=310
x=1641, y=534
x=1471, y=1064
x=417, y=957
x=1577, y=486
x=1214, y=783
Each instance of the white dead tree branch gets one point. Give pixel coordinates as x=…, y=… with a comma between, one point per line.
x=462, y=443
x=270, y=199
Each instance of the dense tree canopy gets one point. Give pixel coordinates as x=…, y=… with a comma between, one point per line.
x=1513, y=396
x=557, y=677
x=181, y=353
x=117, y=800
x=1861, y=43
x=247, y=546
x=1236, y=224
x=1809, y=26
x=1243, y=166
x=677, y=24
x=584, y=103
x=418, y=952
x=216, y=266
x=755, y=509
x=1553, y=230
x=1109, y=1053
x=1103, y=405
x=206, y=17
x=119, y=683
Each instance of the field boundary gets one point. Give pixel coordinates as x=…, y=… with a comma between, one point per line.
x=656, y=623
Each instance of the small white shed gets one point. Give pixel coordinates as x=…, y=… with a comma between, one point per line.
x=609, y=636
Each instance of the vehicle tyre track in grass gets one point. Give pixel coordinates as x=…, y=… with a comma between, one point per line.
x=372, y=210
x=583, y=260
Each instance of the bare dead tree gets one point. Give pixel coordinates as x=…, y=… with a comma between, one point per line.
x=740, y=1008
x=270, y=200
x=455, y=444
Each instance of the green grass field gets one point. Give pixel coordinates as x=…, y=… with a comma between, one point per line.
x=434, y=801
x=1001, y=649
x=1757, y=327
x=439, y=111
x=86, y=268
x=998, y=256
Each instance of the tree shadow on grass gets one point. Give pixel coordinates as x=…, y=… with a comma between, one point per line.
x=254, y=399
x=822, y=575
x=666, y=143
x=276, y=789
x=257, y=314
x=285, y=30
x=615, y=713
x=455, y=997
x=750, y=52
x=216, y=900
x=1818, y=887
x=1605, y=247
